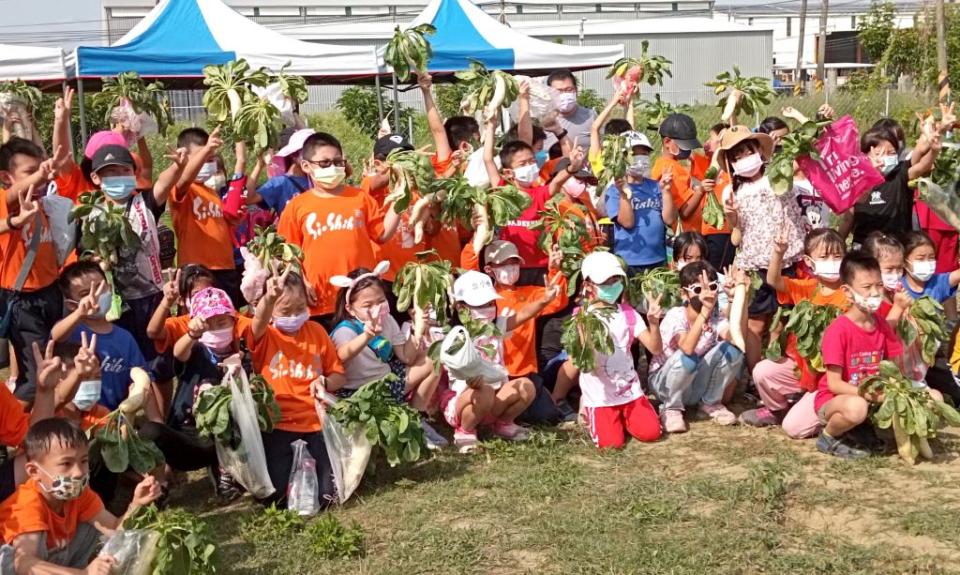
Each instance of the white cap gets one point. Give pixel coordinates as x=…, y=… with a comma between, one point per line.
x=295, y=144
x=600, y=266
x=637, y=139
x=474, y=289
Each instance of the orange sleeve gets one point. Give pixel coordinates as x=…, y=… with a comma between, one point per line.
x=469, y=260
x=798, y=290
x=24, y=512
x=13, y=420
x=288, y=226
x=699, y=164
x=657, y=170
x=178, y=194
x=440, y=167
x=375, y=216
x=71, y=183
x=89, y=505
x=173, y=329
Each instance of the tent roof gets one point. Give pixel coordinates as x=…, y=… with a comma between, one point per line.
x=31, y=63
x=179, y=37
x=465, y=32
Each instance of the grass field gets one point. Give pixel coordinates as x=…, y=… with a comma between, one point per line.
x=716, y=500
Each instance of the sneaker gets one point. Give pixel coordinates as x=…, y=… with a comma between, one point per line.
x=567, y=413
x=434, y=440
x=672, y=420
x=719, y=414
x=510, y=431
x=760, y=417
x=465, y=441
x=837, y=447
x=227, y=488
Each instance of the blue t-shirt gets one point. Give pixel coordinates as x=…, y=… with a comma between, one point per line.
x=938, y=288
x=645, y=243
x=118, y=353
x=278, y=190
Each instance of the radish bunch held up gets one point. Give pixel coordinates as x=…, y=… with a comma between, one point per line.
x=489, y=90
x=426, y=286
x=408, y=170
x=409, y=51
x=20, y=99
x=129, y=91
x=629, y=73
x=746, y=94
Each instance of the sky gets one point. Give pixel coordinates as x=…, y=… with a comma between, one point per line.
x=63, y=23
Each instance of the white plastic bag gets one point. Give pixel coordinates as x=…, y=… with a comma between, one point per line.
x=460, y=357
x=476, y=172
x=64, y=231
x=248, y=463
x=274, y=94
x=348, y=452
x=134, y=551
x=303, y=489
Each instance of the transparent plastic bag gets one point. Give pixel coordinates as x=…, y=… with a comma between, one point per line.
x=348, y=452
x=303, y=489
x=274, y=94
x=134, y=551
x=248, y=463
x=543, y=99
x=64, y=232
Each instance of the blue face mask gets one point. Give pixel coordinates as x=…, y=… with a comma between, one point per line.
x=118, y=188
x=610, y=293
x=87, y=395
x=541, y=158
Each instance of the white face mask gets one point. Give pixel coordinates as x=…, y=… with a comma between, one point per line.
x=207, y=171
x=749, y=166
x=827, y=269
x=889, y=163
x=923, y=270
x=486, y=313
x=640, y=167
x=869, y=304
x=217, y=182
x=567, y=102
x=217, y=339
x=507, y=275
x=526, y=176
x=891, y=280
x=87, y=395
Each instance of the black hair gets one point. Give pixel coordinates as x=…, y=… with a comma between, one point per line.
x=189, y=274
x=16, y=146
x=913, y=240
x=616, y=126
x=690, y=274
x=684, y=240
x=857, y=261
x=192, y=136
x=66, y=350
x=876, y=136
x=538, y=134
x=460, y=129
x=772, y=124
x=561, y=75
x=893, y=126
x=319, y=140
x=556, y=151
x=878, y=243
x=824, y=236
x=730, y=154
x=43, y=434
x=510, y=149
x=76, y=270
x=717, y=128
x=340, y=313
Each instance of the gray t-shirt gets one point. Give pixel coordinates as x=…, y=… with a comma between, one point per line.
x=366, y=366
x=577, y=126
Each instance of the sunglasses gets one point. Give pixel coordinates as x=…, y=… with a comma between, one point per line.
x=697, y=289
x=338, y=162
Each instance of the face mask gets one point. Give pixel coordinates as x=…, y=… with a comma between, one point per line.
x=118, y=188
x=923, y=271
x=574, y=188
x=541, y=158
x=889, y=164
x=681, y=265
x=640, y=167
x=610, y=293
x=217, y=339
x=103, y=305
x=868, y=304
x=208, y=171
x=217, y=182
x=684, y=154
x=487, y=313
x=827, y=269
x=749, y=166
x=291, y=324
x=507, y=275
x=567, y=102
x=63, y=487
x=88, y=393
x=329, y=177
x=380, y=314
x=526, y=175
x=891, y=280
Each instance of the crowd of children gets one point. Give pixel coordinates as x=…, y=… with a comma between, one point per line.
x=335, y=327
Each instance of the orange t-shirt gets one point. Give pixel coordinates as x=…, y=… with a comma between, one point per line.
x=400, y=248
x=589, y=216
x=699, y=164
x=26, y=511
x=14, y=422
x=14, y=246
x=334, y=234
x=289, y=363
x=85, y=419
x=809, y=289
x=447, y=243
x=520, y=345
x=173, y=329
x=203, y=235
x=679, y=188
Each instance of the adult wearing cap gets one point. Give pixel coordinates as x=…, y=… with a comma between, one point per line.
x=679, y=134
x=760, y=220
x=278, y=190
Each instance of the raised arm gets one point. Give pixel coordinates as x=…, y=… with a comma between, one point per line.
x=169, y=177
x=524, y=121
x=62, y=111
x=576, y=164
x=596, y=140
x=489, y=134
x=774, y=275
x=146, y=159
x=434, y=120
x=197, y=159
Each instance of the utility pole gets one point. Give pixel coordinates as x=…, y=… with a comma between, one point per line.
x=822, y=46
x=798, y=76
x=943, y=78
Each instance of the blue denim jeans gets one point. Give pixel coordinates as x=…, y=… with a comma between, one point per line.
x=688, y=380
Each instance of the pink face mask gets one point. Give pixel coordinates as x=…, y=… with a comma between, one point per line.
x=378, y=311
x=574, y=188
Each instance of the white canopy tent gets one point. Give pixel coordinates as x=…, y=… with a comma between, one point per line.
x=31, y=63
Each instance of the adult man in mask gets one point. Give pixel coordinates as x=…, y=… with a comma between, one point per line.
x=573, y=121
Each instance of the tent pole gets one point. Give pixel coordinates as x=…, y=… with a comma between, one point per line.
x=396, y=102
x=83, y=112
x=376, y=80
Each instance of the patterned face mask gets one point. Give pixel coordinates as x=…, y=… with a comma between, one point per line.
x=64, y=487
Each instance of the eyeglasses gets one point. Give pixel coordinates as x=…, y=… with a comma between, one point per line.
x=697, y=289
x=338, y=162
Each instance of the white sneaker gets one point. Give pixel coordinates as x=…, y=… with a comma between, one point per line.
x=672, y=420
x=510, y=431
x=719, y=414
x=465, y=441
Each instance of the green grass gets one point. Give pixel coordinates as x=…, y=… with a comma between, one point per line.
x=719, y=501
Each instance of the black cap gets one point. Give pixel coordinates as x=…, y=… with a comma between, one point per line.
x=583, y=174
x=681, y=129
x=389, y=143
x=112, y=155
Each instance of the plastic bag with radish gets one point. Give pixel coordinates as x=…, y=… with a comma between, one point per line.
x=133, y=550
x=463, y=362
x=348, y=452
x=543, y=99
x=303, y=489
x=248, y=462
x=274, y=94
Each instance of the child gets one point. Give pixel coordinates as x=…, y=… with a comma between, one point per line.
x=920, y=263
x=777, y=381
x=165, y=330
x=641, y=210
x=54, y=521
x=721, y=250
x=679, y=134
x=696, y=365
x=613, y=397
x=467, y=405
x=293, y=354
x=332, y=223
x=570, y=178
x=278, y=190
x=853, y=347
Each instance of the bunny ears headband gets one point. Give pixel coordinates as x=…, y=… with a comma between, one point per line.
x=345, y=282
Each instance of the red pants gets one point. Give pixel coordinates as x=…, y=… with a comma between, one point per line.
x=946, y=246
x=608, y=425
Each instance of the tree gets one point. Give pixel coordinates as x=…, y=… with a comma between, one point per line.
x=875, y=29
x=359, y=107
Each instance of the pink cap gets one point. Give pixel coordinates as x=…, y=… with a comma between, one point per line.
x=101, y=139
x=210, y=302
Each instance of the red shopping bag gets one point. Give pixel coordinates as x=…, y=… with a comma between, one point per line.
x=843, y=173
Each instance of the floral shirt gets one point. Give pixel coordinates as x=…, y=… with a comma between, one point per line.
x=762, y=215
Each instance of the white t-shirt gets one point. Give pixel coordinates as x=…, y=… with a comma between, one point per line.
x=615, y=380
x=366, y=366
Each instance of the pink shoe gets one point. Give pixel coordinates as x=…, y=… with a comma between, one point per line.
x=465, y=441
x=719, y=414
x=673, y=422
x=510, y=431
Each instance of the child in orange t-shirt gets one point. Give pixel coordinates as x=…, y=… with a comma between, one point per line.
x=299, y=361
x=679, y=135
x=165, y=330
x=54, y=520
x=720, y=248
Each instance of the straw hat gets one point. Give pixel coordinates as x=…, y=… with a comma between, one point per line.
x=733, y=135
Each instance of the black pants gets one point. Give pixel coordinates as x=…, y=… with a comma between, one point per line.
x=183, y=451
x=135, y=320
x=280, y=460
x=542, y=411
x=720, y=251
x=33, y=316
x=941, y=379
x=229, y=281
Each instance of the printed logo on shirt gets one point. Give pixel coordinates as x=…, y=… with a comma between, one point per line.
x=646, y=204
x=863, y=364
x=205, y=209
x=112, y=365
x=281, y=366
x=876, y=199
x=522, y=223
x=334, y=223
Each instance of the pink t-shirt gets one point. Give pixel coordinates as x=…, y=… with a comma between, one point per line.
x=675, y=325
x=857, y=351
x=615, y=380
